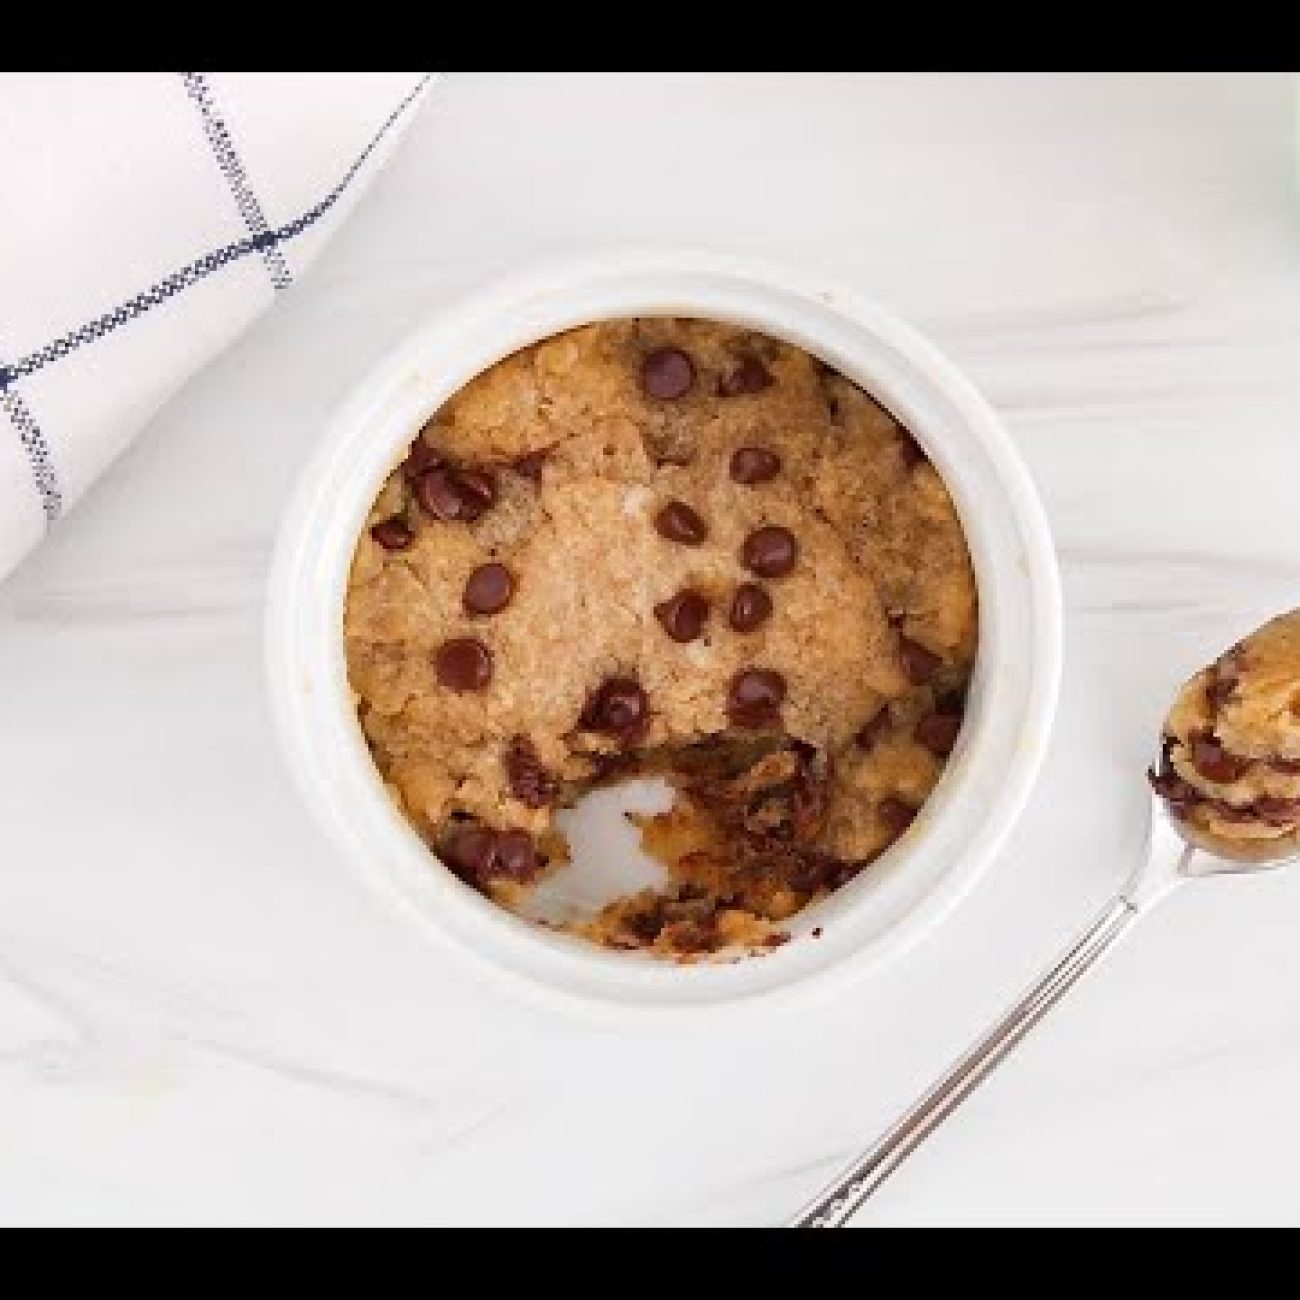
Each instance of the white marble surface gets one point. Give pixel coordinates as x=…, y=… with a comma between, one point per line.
x=204, y=1019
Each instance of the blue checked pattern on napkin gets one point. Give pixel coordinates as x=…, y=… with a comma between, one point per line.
x=148, y=218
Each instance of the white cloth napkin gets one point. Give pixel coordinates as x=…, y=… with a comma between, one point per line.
x=146, y=219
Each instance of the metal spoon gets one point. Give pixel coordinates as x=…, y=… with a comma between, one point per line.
x=1171, y=858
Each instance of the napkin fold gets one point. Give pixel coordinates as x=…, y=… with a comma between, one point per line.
x=146, y=219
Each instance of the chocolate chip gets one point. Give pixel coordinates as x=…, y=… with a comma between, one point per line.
x=454, y=494
x=810, y=872
x=437, y=492
x=952, y=701
x=667, y=374
x=463, y=664
x=516, y=856
x=419, y=458
x=909, y=450
x=938, y=732
x=871, y=732
x=770, y=552
x=1221, y=683
x=530, y=466
x=699, y=934
x=479, y=854
x=683, y=616
x=530, y=782
x=618, y=707
x=1171, y=787
x=1288, y=766
x=1230, y=812
x=842, y=873
x=750, y=376
x=679, y=523
x=921, y=664
x=834, y=412
x=393, y=534
x=1277, y=812
x=754, y=465
x=750, y=607
x=478, y=490
x=469, y=851
x=755, y=697
x=1214, y=762
x=645, y=926
x=896, y=815
x=488, y=589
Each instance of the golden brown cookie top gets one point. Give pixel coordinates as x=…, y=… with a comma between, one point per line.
x=640, y=535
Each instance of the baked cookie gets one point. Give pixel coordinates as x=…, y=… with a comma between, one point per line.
x=669, y=546
x=1230, y=768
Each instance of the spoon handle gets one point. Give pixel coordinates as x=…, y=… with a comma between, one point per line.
x=837, y=1203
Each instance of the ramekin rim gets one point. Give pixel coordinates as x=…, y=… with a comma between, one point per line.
x=1041, y=582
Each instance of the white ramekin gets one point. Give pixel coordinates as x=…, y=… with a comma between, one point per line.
x=1012, y=701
